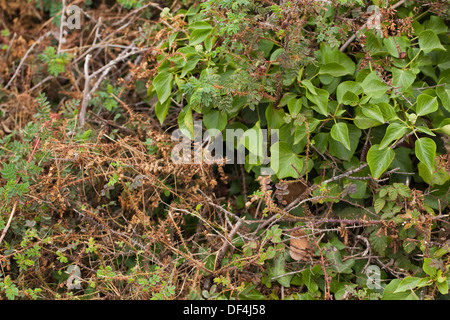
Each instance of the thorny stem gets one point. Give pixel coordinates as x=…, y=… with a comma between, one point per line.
x=325, y=273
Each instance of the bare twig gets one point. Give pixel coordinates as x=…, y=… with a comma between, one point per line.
x=24, y=58
x=134, y=12
x=225, y=246
x=325, y=273
x=11, y=215
x=10, y=46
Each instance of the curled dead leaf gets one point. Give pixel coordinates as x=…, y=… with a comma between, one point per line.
x=299, y=245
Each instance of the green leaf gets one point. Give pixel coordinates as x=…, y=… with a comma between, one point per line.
x=393, y=132
x=302, y=130
x=408, y=284
x=425, y=130
x=283, y=159
x=402, y=79
x=379, y=160
x=437, y=25
x=200, y=31
x=9, y=171
x=334, y=257
x=337, y=149
x=372, y=112
x=215, y=119
x=379, y=243
x=320, y=100
x=429, y=41
x=379, y=204
x=388, y=293
x=444, y=95
x=396, y=44
x=336, y=57
x=279, y=269
x=190, y=65
x=252, y=139
x=426, y=104
x=251, y=293
x=433, y=177
x=425, y=149
x=374, y=86
x=442, y=287
x=294, y=106
x=428, y=267
x=402, y=189
x=308, y=280
x=388, y=111
x=333, y=69
x=186, y=122
x=161, y=110
x=275, y=117
x=345, y=87
x=339, y=132
x=163, y=85
x=308, y=85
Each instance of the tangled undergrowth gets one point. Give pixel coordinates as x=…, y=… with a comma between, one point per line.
x=92, y=205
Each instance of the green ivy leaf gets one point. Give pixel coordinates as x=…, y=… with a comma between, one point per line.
x=408, y=284
x=433, y=177
x=308, y=280
x=320, y=100
x=346, y=87
x=402, y=79
x=163, y=86
x=200, y=31
x=339, y=132
x=161, y=110
x=426, y=104
x=444, y=95
x=251, y=293
x=336, y=57
x=425, y=149
x=333, y=69
x=373, y=112
x=252, y=139
x=186, y=122
x=190, y=65
x=373, y=86
x=337, y=149
x=379, y=160
x=388, y=111
x=393, y=132
x=425, y=130
x=429, y=41
x=388, y=293
x=308, y=85
x=437, y=25
x=294, y=106
x=283, y=159
x=215, y=119
x=279, y=269
x=275, y=117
